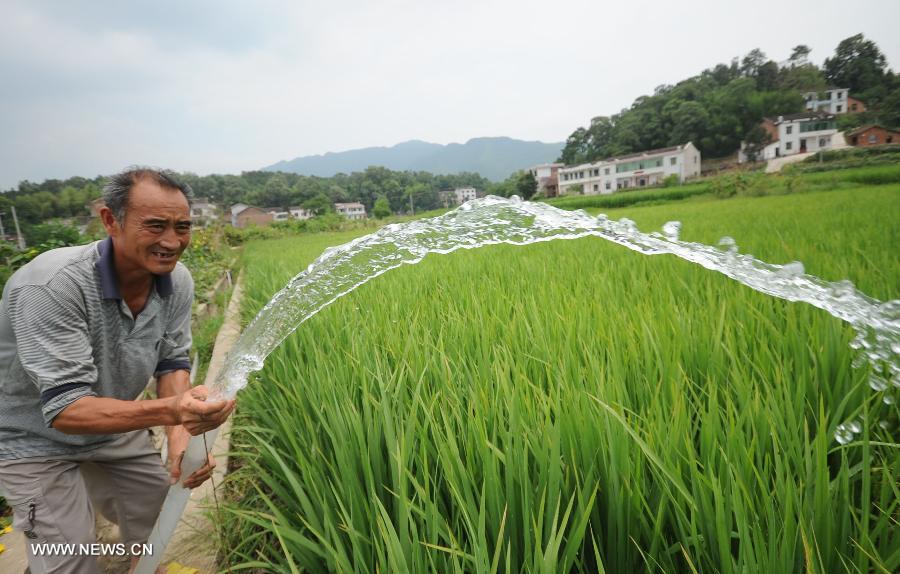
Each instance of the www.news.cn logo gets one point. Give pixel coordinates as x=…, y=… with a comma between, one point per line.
x=94, y=549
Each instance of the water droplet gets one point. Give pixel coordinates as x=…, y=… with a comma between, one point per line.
x=885, y=425
x=602, y=218
x=855, y=427
x=877, y=383
x=895, y=347
x=629, y=224
x=515, y=199
x=889, y=399
x=792, y=269
x=671, y=230
x=728, y=244
x=842, y=434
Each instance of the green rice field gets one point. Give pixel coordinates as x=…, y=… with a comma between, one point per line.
x=574, y=406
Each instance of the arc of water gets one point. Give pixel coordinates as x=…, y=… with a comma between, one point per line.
x=494, y=220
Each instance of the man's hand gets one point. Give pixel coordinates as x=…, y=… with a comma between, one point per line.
x=198, y=416
x=178, y=439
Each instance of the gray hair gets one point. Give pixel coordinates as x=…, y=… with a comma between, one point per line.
x=117, y=190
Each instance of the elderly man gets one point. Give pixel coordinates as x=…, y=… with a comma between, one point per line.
x=82, y=330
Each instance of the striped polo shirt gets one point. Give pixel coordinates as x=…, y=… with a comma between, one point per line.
x=66, y=333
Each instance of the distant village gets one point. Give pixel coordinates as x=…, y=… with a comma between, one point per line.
x=785, y=139
x=788, y=138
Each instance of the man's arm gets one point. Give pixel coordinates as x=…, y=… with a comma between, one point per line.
x=101, y=415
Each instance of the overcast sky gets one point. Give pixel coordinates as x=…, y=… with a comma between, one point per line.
x=89, y=87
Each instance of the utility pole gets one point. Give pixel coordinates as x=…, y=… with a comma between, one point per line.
x=2, y=231
x=18, y=231
x=412, y=210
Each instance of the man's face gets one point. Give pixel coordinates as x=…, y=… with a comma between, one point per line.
x=156, y=230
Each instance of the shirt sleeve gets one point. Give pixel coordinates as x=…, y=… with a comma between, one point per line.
x=53, y=346
x=176, y=344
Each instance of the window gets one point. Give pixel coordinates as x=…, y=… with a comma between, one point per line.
x=596, y=172
x=642, y=182
x=852, y=107
x=823, y=142
x=580, y=174
x=873, y=138
x=606, y=171
x=607, y=185
x=840, y=108
x=672, y=160
x=889, y=139
x=596, y=187
x=788, y=145
x=788, y=130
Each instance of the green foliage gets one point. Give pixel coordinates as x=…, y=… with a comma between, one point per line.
x=382, y=208
x=581, y=408
x=857, y=64
x=671, y=180
x=207, y=257
x=52, y=232
x=853, y=157
x=527, y=185
x=724, y=105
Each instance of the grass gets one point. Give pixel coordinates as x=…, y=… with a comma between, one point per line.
x=574, y=406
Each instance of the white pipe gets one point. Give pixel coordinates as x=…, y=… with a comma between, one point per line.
x=194, y=456
x=176, y=499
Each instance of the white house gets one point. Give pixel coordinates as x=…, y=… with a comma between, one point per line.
x=630, y=171
x=204, y=212
x=547, y=177
x=300, y=213
x=464, y=194
x=806, y=132
x=351, y=210
x=457, y=196
x=278, y=214
x=832, y=101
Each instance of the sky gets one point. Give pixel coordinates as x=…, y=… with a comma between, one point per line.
x=88, y=88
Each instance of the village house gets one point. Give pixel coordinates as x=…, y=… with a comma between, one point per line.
x=278, y=214
x=203, y=212
x=831, y=101
x=631, y=171
x=95, y=205
x=351, y=210
x=807, y=132
x=547, y=177
x=872, y=135
x=243, y=215
x=300, y=213
x=457, y=196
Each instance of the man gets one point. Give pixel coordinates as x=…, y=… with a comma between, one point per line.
x=82, y=330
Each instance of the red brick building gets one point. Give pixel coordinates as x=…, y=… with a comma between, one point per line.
x=855, y=106
x=244, y=215
x=872, y=135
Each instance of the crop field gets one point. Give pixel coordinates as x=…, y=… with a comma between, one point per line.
x=574, y=406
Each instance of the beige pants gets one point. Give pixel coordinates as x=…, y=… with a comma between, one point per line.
x=53, y=500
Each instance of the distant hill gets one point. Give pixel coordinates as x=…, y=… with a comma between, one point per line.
x=493, y=158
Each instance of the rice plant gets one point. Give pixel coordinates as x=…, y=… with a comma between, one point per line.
x=576, y=407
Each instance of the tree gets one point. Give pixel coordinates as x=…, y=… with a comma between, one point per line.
x=319, y=205
x=382, y=208
x=799, y=56
x=857, y=64
x=527, y=185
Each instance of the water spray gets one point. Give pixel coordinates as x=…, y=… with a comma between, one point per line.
x=493, y=221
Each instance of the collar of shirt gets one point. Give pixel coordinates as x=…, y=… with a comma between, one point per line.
x=106, y=266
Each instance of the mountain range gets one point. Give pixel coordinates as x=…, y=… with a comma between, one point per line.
x=495, y=158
